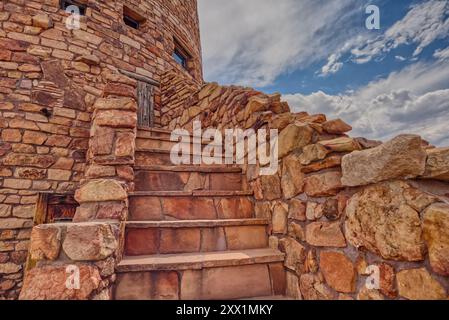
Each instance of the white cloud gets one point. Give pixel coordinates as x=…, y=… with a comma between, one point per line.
x=400, y=58
x=422, y=25
x=442, y=54
x=252, y=42
x=414, y=100
x=332, y=66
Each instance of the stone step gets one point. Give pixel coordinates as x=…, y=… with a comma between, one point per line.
x=187, y=178
x=223, y=276
x=196, y=205
x=166, y=237
x=152, y=157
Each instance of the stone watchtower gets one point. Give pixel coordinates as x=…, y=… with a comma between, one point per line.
x=70, y=86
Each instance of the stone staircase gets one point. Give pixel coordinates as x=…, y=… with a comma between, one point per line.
x=191, y=232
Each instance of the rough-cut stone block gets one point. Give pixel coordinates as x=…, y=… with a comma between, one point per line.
x=101, y=190
x=45, y=242
x=90, y=241
x=437, y=165
x=418, y=284
x=313, y=288
x=343, y=144
x=295, y=254
x=384, y=219
x=280, y=219
x=49, y=283
x=402, y=157
x=338, y=271
x=436, y=235
x=292, y=181
x=271, y=187
x=294, y=137
x=325, y=234
x=337, y=126
x=116, y=104
x=116, y=119
x=297, y=210
x=323, y=184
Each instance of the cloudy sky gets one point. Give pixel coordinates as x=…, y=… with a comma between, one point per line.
x=322, y=58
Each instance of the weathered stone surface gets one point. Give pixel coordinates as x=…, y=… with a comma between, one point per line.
x=436, y=235
x=280, y=219
x=49, y=283
x=292, y=289
x=295, y=254
x=116, y=119
x=14, y=223
x=314, y=211
x=271, y=187
x=45, y=242
x=313, y=288
x=343, y=144
x=325, y=234
x=387, y=280
x=294, y=137
x=402, y=157
x=8, y=268
x=292, y=181
x=418, y=284
x=336, y=126
x=101, y=190
x=338, y=271
x=42, y=21
x=116, y=104
x=297, y=210
x=323, y=184
x=296, y=231
x=313, y=153
x=90, y=241
x=384, y=218
x=437, y=165
x=369, y=294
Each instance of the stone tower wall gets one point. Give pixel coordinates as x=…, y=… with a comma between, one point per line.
x=51, y=77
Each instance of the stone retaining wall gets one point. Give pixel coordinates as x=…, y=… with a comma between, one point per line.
x=344, y=210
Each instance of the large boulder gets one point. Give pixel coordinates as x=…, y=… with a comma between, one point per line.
x=384, y=218
x=402, y=157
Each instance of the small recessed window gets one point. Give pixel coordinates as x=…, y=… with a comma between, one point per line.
x=68, y=5
x=132, y=18
x=181, y=55
x=180, y=58
x=130, y=22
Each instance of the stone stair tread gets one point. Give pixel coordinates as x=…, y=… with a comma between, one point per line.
x=196, y=223
x=186, y=168
x=200, y=193
x=196, y=261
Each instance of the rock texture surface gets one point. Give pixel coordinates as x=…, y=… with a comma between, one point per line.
x=402, y=157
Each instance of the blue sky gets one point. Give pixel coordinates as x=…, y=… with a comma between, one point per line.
x=321, y=57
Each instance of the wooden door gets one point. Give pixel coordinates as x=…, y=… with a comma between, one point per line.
x=145, y=100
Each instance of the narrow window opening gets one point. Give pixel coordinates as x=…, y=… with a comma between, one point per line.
x=66, y=4
x=181, y=55
x=130, y=22
x=132, y=18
